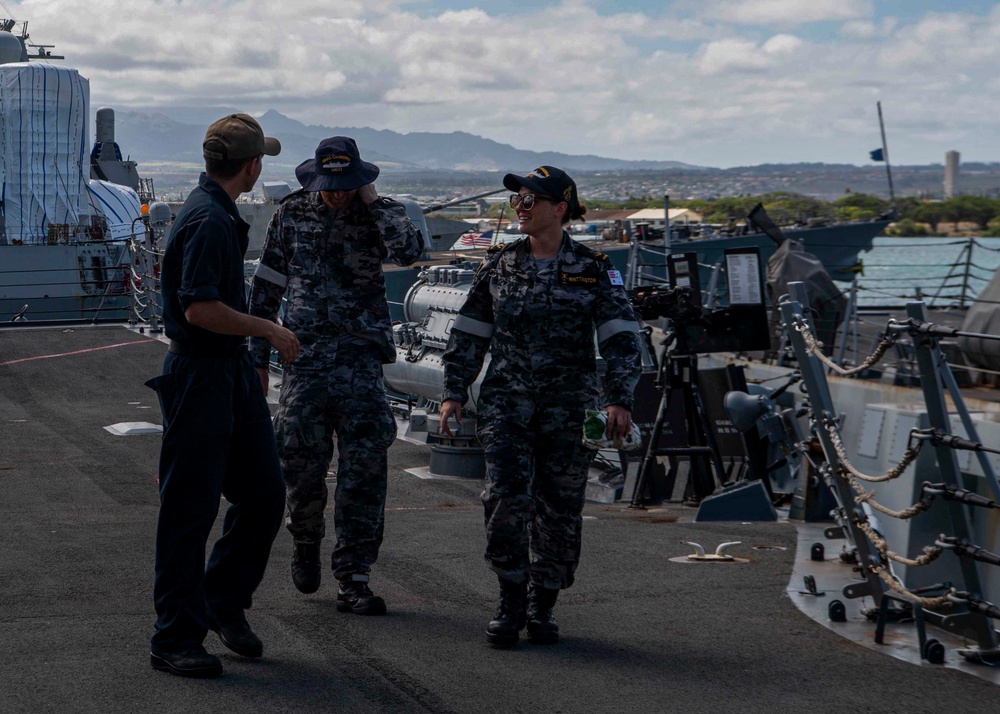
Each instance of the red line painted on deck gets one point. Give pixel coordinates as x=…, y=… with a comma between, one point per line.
x=77, y=352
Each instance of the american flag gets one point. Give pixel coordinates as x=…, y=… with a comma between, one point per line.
x=477, y=240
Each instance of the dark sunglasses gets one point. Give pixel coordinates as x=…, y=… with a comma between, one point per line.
x=528, y=200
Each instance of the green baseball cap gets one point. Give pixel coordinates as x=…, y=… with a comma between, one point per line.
x=238, y=136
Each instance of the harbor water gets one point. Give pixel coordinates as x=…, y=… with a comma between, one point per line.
x=944, y=272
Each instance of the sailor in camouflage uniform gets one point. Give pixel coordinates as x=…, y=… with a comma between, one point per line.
x=534, y=304
x=324, y=251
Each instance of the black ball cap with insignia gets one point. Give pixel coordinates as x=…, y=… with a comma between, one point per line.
x=546, y=181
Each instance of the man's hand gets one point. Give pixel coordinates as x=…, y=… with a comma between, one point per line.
x=450, y=407
x=265, y=378
x=367, y=193
x=218, y=317
x=285, y=341
x=619, y=422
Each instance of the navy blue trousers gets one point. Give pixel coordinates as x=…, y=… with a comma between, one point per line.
x=217, y=441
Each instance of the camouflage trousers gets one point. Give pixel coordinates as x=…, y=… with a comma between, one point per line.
x=536, y=478
x=347, y=400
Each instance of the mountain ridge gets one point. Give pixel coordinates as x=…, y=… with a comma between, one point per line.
x=155, y=136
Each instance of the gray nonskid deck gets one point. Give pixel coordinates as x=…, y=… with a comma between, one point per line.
x=640, y=633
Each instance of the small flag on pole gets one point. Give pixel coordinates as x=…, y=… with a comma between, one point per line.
x=877, y=155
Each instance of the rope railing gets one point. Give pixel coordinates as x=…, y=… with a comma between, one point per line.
x=144, y=287
x=892, y=581
x=911, y=453
x=868, y=497
x=943, y=278
x=931, y=552
x=965, y=274
x=815, y=348
x=978, y=244
x=858, y=504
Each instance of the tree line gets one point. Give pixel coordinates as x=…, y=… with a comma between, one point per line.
x=914, y=217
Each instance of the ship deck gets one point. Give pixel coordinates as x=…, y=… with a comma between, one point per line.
x=640, y=632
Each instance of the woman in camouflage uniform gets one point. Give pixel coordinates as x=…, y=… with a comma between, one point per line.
x=535, y=304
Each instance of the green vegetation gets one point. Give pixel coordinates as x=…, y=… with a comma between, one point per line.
x=909, y=227
x=966, y=214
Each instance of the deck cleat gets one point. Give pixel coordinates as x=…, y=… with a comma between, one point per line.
x=718, y=556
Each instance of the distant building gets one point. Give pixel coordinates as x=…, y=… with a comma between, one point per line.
x=654, y=216
x=477, y=207
x=951, y=161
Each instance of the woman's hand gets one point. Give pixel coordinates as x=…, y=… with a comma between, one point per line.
x=619, y=422
x=448, y=408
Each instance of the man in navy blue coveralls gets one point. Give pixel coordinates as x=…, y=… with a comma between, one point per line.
x=217, y=434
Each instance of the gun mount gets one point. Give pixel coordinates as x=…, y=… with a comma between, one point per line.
x=430, y=308
x=734, y=328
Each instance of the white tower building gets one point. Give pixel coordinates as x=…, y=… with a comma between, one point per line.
x=951, y=161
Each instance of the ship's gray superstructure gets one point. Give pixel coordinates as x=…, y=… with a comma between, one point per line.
x=66, y=210
x=106, y=161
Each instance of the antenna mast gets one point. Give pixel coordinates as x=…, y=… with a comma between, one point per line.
x=885, y=156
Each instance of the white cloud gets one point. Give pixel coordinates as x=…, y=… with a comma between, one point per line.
x=732, y=55
x=735, y=55
x=785, y=12
x=718, y=87
x=782, y=45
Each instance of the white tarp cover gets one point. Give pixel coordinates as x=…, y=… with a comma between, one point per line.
x=790, y=263
x=119, y=205
x=43, y=130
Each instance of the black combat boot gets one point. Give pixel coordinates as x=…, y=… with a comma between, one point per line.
x=358, y=598
x=509, y=620
x=542, y=627
x=193, y=662
x=235, y=633
x=306, y=567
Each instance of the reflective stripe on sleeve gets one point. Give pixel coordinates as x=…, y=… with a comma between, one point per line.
x=271, y=275
x=613, y=327
x=473, y=327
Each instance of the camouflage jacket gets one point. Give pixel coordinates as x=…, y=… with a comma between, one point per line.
x=539, y=328
x=328, y=263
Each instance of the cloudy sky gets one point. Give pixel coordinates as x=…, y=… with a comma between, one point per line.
x=708, y=82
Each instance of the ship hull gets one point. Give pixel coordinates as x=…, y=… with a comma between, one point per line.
x=838, y=247
x=64, y=282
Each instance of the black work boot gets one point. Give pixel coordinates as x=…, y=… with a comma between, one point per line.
x=193, y=662
x=358, y=598
x=509, y=620
x=235, y=633
x=542, y=627
x=306, y=567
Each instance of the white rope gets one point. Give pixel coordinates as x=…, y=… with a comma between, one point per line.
x=815, y=348
x=868, y=497
x=895, y=472
x=931, y=553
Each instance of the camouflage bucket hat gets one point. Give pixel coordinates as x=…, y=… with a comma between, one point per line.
x=337, y=166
